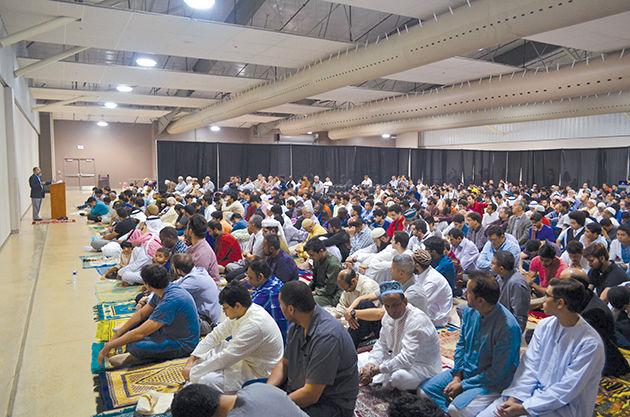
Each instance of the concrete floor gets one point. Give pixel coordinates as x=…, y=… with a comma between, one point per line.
x=46, y=323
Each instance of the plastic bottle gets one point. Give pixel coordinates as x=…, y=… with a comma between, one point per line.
x=74, y=277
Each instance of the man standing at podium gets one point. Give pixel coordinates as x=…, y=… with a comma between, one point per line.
x=37, y=191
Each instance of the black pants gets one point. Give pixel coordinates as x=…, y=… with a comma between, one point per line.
x=326, y=409
x=367, y=329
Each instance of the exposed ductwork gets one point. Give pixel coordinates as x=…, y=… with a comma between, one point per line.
x=483, y=24
x=618, y=102
x=600, y=75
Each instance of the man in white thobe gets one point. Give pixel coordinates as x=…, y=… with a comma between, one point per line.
x=436, y=287
x=560, y=371
x=254, y=348
x=408, y=349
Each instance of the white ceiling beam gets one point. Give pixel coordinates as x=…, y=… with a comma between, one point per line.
x=57, y=104
x=27, y=69
x=36, y=30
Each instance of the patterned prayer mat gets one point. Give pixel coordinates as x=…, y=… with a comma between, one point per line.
x=96, y=261
x=105, y=329
x=449, y=335
x=372, y=402
x=54, y=221
x=124, y=387
x=96, y=349
x=110, y=291
x=613, y=398
x=97, y=227
x=127, y=412
x=114, y=311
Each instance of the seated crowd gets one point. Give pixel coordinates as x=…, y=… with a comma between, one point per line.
x=270, y=287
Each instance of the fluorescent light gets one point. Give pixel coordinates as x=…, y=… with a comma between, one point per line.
x=111, y=105
x=102, y=123
x=386, y=136
x=146, y=62
x=200, y=4
x=309, y=133
x=215, y=128
x=124, y=88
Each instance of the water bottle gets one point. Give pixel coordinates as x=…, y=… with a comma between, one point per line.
x=74, y=278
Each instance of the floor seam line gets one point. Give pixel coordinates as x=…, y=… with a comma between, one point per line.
x=27, y=325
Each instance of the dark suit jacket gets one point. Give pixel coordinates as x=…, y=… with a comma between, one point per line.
x=37, y=187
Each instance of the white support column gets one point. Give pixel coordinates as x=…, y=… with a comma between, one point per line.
x=14, y=196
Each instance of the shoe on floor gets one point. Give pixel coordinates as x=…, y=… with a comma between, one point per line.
x=123, y=360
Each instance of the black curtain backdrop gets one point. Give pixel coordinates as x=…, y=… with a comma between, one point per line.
x=417, y=163
x=454, y=167
x=196, y=159
x=498, y=166
x=350, y=163
x=613, y=165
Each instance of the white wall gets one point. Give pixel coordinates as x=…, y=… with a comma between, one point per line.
x=27, y=155
x=5, y=216
x=603, y=131
x=19, y=141
x=8, y=64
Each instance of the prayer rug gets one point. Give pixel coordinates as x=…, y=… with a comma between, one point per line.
x=96, y=367
x=121, y=388
x=96, y=261
x=105, y=329
x=97, y=227
x=111, y=291
x=54, y=221
x=102, y=269
x=373, y=402
x=114, y=311
x=127, y=412
x=449, y=335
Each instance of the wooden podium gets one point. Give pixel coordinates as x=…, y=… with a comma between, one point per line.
x=58, y=200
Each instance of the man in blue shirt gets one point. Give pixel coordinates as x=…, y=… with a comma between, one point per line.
x=97, y=209
x=282, y=265
x=439, y=260
x=497, y=240
x=486, y=356
x=266, y=290
x=539, y=230
x=167, y=327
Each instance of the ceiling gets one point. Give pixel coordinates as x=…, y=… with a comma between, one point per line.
x=205, y=56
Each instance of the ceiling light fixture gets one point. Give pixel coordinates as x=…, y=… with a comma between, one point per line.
x=200, y=4
x=146, y=62
x=111, y=105
x=309, y=133
x=386, y=136
x=102, y=123
x=124, y=88
x=215, y=128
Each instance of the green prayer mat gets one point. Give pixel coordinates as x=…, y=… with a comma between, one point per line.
x=110, y=291
x=114, y=310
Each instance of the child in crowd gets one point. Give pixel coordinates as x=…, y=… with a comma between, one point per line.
x=125, y=255
x=161, y=258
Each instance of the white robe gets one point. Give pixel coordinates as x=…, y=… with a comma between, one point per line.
x=439, y=295
x=252, y=352
x=559, y=373
x=408, y=344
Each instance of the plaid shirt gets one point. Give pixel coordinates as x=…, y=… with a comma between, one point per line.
x=266, y=296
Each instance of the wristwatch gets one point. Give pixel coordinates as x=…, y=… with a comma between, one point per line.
x=353, y=314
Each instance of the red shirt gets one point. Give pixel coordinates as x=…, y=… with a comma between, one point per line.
x=546, y=274
x=479, y=207
x=396, y=226
x=227, y=249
